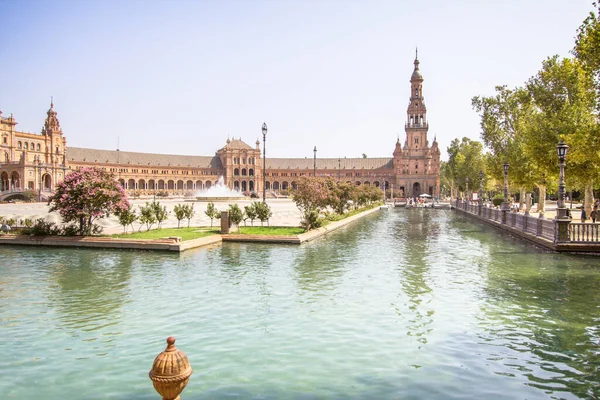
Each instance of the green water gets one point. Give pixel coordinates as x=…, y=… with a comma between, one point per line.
x=405, y=304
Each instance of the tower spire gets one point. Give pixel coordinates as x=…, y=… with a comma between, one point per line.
x=416, y=53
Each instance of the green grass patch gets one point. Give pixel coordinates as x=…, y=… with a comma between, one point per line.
x=184, y=233
x=268, y=230
x=338, y=217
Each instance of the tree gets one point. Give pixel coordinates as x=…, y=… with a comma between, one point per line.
x=87, y=195
x=504, y=122
x=311, y=196
x=189, y=213
x=127, y=217
x=564, y=96
x=465, y=160
x=179, y=211
x=147, y=216
x=251, y=213
x=212, y=213
x=160, y=212
x=263, y=212
x=236, y=215
x=587, y=46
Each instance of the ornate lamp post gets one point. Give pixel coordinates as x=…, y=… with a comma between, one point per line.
x=339, y=168
x=562, y=150
x=505, y=205
x=315, y=162
x=264, y=132
x=467, y=189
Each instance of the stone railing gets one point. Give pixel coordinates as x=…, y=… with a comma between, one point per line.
x=583, y=233
x=557, y=232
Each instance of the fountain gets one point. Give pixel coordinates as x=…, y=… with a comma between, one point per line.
x=218, y=192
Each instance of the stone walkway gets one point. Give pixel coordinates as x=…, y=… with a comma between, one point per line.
x=285, y=213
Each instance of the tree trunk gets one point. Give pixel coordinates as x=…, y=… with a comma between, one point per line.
x=542, y=201
x=589, y=197
x=522, y=194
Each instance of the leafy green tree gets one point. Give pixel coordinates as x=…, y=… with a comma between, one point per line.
x=564, y=96
x=263, y=212
x=504, y=120
x=236, y=215
x=311, y=196
x=86, y=195
x=127, y=217
x=251, y=213
x=160, y=213
x=147, y=216
x=179, y=211
x=189, y=213
x=211, y=212
x=465, y=159
x=587, y=46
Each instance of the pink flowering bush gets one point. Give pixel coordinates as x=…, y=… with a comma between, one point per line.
x=314, y=195
x=87, y=195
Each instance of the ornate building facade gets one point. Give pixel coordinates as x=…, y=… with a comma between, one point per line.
x=38, y=162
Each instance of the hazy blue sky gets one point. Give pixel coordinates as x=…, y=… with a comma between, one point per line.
x=181, y=76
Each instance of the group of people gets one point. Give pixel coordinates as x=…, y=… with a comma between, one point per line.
x=593, y=215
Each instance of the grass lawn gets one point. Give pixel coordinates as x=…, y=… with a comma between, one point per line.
x=184, y=233
x=268, y=230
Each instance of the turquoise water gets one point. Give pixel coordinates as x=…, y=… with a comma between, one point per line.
x=405, y=304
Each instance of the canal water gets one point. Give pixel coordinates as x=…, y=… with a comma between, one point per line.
x=404, y=304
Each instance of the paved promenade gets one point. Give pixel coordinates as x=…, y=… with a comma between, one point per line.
x=285, y=213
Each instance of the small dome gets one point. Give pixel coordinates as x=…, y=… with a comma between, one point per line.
x=416, y=75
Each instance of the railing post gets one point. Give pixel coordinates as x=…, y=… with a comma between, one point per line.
x=540, y=222
x=561, y=230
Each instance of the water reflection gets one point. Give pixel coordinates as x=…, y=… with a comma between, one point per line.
x=537, y=318
x=90, y=288
x=319, y=265
x=414, y=273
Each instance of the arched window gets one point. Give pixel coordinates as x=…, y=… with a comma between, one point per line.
x=251, y=172
x=243, y=171
x=26, y=145
x=236, y=171
x=20, y=145
x=37, y=147
x=32, y=146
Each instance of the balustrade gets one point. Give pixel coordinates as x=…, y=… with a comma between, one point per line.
x=584, y=233
x=545, y=228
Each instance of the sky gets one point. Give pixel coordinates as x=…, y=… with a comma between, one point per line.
x=180, y=77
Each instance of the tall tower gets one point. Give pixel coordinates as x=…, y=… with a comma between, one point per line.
x=54, y=140
x=416, y=126
x=416, y=163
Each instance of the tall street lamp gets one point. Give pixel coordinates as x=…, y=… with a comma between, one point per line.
x=562, y=150
x=339, y=168
x=562, y=220
x=467, y=188
x=505, y=206
x=264, y=132
x=315, y=162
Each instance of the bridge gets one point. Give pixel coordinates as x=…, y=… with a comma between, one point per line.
x=23, y=194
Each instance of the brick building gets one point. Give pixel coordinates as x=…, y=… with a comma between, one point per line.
x=37, y=162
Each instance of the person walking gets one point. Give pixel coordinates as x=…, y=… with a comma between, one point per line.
x=583, y=214
x=594, y=214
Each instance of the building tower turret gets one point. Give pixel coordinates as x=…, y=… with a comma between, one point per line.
x=416, y=126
